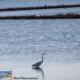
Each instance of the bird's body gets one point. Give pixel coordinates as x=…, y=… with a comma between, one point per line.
x=38, y=63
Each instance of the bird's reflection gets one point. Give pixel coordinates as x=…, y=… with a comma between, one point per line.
x=39, y=70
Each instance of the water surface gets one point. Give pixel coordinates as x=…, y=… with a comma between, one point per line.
x=22, y=43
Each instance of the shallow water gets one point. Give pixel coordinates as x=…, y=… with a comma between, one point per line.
x=22, y=43
x=48, y=71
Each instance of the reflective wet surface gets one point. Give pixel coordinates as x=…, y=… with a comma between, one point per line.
x=22, y=43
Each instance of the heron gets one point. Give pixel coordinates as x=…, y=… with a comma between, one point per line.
x=38, y=63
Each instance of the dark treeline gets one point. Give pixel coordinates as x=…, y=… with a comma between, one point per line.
x=41, y=7
x=57, y=16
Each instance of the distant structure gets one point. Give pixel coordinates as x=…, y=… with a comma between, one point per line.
x=38, y=63
x=45, y=5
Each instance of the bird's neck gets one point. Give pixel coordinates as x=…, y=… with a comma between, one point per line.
x=42, y=58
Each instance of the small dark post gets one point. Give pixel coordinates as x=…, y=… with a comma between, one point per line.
x=45, y=5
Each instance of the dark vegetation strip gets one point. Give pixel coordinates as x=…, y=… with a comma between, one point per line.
x=41, y=7
x=57, y=16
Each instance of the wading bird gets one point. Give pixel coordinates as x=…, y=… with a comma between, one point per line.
x=38, y=63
